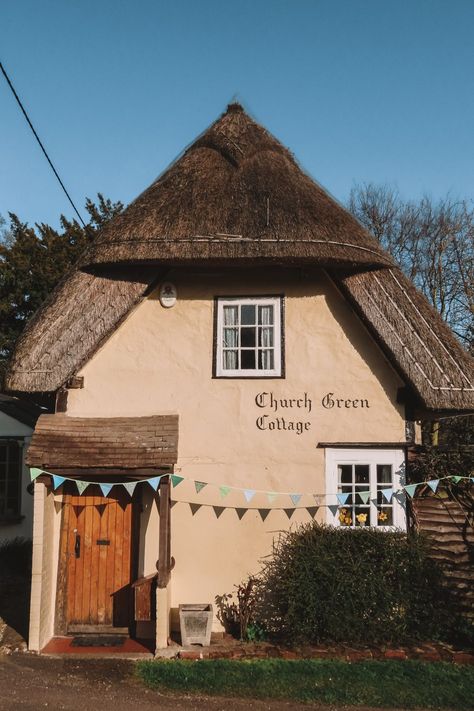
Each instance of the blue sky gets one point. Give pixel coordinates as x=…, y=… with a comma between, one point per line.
x=359, y=90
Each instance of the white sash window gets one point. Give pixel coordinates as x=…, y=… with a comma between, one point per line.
x=248, y=338
x=359, y=482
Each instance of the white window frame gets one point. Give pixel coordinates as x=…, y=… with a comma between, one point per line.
x=276, y=371
x=393, y=457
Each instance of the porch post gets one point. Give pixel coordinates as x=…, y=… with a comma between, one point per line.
x=164, y=567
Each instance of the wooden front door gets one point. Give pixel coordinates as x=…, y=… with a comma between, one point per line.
x=96, y=541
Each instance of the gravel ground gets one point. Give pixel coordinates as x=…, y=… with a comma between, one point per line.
x=29, y=683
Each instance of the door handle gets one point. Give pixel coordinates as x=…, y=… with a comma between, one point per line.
x=77, y=546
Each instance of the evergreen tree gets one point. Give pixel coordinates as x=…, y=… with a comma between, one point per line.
x=34, y=259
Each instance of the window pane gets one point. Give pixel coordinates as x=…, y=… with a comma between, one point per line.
x=362, y=473
x=247, y=315
x=247, y=337
x=3, y=453
x=265, y=315
x=231, y=337
x=231, y=315
x=230, y=361
x=344, y=472
x=265, y=360
x=266, y=337
x=384, y=473
x=362, y=515
x=247, y=360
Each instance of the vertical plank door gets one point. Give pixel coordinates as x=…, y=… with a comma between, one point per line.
x=99, y=560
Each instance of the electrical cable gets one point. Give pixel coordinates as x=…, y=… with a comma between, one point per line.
x=40, y=144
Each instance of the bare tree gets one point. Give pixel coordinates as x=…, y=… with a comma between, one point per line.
x=432, y=241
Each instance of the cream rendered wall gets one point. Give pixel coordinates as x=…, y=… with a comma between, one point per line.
x=160, y=361
x=9, y=427
x=46, y=526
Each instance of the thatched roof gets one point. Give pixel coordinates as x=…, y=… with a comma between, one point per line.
x=220, y=184
x=235, y=194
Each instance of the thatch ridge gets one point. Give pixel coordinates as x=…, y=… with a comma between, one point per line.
x=236, y=193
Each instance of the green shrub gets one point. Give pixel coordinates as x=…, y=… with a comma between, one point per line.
x=328, y=584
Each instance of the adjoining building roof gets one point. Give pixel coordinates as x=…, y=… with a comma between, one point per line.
x=226, y=176
x=21, y=410
x=61, y=442
x=235, y=194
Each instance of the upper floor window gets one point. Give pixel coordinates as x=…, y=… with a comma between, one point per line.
x=249, y=337
x=10, y=478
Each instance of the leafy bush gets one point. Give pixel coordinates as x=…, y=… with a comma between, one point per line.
x=327, y=584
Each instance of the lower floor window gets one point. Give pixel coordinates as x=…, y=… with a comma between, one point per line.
x=364, y=486
x=10, y=478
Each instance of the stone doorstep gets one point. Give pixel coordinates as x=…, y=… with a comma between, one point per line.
x=425, y=652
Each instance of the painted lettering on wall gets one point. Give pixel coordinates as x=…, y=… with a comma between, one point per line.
x=329, y=401
x=276, y=405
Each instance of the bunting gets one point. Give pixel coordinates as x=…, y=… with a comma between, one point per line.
x=387, y=494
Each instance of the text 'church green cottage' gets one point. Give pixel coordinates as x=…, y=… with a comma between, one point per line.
x=234, y=355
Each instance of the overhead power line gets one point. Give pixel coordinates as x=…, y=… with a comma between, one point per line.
x=40, y=144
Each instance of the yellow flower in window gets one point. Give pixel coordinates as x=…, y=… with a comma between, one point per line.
x=361, y=519
x=382, y=516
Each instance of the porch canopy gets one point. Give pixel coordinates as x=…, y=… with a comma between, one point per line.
x=130, y=446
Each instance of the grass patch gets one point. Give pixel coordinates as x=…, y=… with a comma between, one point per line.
x=382, y=684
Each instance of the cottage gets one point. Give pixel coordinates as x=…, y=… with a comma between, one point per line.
x=235, y=354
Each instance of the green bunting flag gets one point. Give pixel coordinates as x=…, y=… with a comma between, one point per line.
x=175, y=480
x=199, y=485
x=82, y=486
x=456, y=479
x=410, y=489
x=130, y=487
x=364, y=496
x=271, y=496
x=224, y=490
x=35, y=472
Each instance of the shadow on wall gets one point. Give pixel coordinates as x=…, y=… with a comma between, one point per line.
x=15, y=582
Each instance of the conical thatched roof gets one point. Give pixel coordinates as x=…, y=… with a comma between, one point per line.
x=236, y=179
x=236, y=194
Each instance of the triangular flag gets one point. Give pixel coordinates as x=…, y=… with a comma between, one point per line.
x=175, y=479
x=472, y=479
x=130, y=487
x=312, y=510
x=456, y=479
x=433, y=484
x=271, y=496
x=387, y=494
x=264, y=513
x=295, y=498
x=199, y=486
x=154, y=482
x=333, y=508
x=364, y=496
x=194, y=508
x=342, y=498
x=318, y=499
x=101, y=508
x=105, y=488
x=289, y=512
x=58, y=506
x=78, y=510
x=410, y=489
x=172, y=503
x=224, y=490
x=58, y=481
x=241, y=513
x=35, y=472
x=249, y=494
x=218, y=510
x=82, y=486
